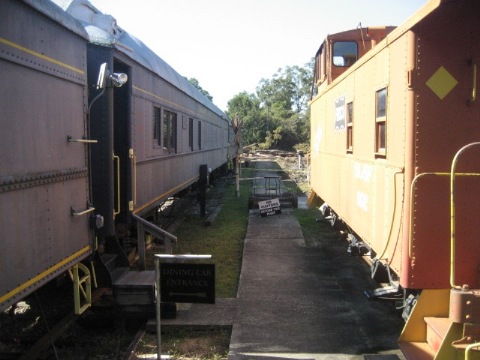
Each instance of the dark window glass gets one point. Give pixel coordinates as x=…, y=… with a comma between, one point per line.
x=157, y=126
x=199, y=135
x=345, y=53
x=169, y=131
x=190, y=133
x=381, y=103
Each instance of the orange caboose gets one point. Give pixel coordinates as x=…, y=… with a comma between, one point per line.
x=395, y=124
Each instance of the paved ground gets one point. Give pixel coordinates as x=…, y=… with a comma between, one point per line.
x=299, y=302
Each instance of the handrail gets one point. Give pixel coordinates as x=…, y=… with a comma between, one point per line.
x=153, y=229
x=82, y=140
x=473, y=94
x=469, y=348
x=117, y=159
x=132, y=156
x=393, y=214
x=412, y=190
x=73, y=212
x=452, y=211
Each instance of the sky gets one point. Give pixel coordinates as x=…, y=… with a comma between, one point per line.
x=230, y=45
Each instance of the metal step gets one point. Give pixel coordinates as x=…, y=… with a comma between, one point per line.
x=437, y=329
x=135, y=288
x=118, y=273
x=416, y=350
x=109, y=261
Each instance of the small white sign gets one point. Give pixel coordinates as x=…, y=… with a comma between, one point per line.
x=269, y=207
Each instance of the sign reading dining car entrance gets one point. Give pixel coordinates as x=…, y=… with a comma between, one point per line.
x=187, y=283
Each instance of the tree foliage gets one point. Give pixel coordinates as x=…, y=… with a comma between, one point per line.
x=277, y=115
x=195, y=83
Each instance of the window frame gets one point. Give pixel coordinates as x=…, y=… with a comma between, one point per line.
x=336, y=53
x=169, y=127
x=157, y=126
x=349, y=127
x=190, y=133
x=199, y=136
x=381, y=122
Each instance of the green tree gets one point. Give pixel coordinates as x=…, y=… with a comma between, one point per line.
x=277, y=136
x=278, y=114
x=195, y=83
x=247, y=107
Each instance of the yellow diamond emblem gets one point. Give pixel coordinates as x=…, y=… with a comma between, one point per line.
x=441, y=83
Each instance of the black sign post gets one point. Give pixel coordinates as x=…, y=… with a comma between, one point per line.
x=182, y=283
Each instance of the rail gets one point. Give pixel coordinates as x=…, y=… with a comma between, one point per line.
x=469, y=348
x=146, y=226
x=473, y=95
x=133, y=158
x=89, y=209
x=82, y=140
x=452, y=210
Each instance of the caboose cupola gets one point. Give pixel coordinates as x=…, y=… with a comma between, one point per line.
x=341, y=50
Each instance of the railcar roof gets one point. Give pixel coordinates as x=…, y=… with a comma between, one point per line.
x=49, y=9
x=103, y=30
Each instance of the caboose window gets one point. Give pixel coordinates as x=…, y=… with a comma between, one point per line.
x=157, y=118
x=381, y=122
x=345, y=53
x=350, y=127
x=169, y=131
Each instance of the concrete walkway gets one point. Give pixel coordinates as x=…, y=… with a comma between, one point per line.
x=300, y=302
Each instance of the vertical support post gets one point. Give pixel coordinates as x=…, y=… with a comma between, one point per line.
x=76, y=290
x=202, y=182
x=237, y=175
x=158, y=308
x=141, y=247
x=157, y=259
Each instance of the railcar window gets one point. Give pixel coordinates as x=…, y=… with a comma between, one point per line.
x=199, y=135
x=157, y=139
x=381, y=122
x=345, y=53
x=350, y=127
x=190, y=133
x=169, y=131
